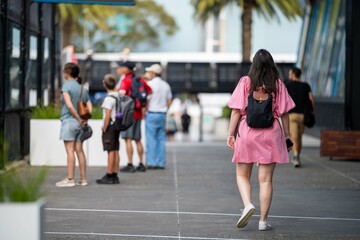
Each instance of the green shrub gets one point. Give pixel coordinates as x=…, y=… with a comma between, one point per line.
x=226, y=112
x=46, y=112
x=96, y=112
x=21, y=187
x=18, y=185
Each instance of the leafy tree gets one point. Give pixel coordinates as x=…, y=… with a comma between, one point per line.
x=204, y=9
x=72, y=18
x=143, y=22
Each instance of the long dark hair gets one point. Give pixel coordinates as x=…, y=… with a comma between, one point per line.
x=73, y=70
x=263, y=72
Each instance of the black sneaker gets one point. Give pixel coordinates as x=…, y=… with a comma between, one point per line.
x=129, y=168
x=141, y=168
x=105, y=180
x=115, y=179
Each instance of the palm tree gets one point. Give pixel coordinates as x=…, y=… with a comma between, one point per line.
x=204, y=9
x=144, y=22
x=72, y=18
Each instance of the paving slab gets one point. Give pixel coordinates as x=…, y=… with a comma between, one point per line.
x=196, y=197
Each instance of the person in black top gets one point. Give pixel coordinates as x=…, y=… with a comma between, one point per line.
x=185, y=123
x=300, y=92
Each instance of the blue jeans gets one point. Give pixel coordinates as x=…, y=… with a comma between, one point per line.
x=155, y=139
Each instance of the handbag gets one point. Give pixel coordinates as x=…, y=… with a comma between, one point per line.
x=309, y=116
x=84, y=111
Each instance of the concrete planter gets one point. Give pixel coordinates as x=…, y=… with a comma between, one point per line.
x=46, y=149
x=20, y=221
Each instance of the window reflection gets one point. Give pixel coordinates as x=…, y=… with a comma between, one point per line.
x=31, y=74
x=13, y=100
x=46, y=72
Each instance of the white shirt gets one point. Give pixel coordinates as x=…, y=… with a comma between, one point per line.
x=110, y=103
x=161, y=93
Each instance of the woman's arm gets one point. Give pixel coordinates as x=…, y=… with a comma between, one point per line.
x=70, y=107
x=285, y=123
x=89, y=106
x=235, y=115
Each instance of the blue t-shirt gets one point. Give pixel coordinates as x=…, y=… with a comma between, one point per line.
x=72, y=87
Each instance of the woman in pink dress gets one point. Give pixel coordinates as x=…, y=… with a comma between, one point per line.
x=264, y=146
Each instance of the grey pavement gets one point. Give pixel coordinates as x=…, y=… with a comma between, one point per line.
x=196, y=197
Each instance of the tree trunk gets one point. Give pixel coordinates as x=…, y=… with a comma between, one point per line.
x=246, y=20
x=66, y=31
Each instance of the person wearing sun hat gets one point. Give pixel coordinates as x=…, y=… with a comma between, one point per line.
x=155, y=122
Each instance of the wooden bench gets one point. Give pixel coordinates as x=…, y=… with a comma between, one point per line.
x=343, y=144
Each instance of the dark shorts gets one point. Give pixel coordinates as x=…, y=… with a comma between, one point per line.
x=110, y=139
x=134, y=132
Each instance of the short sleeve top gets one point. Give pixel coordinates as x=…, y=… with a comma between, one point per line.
x=126, y=85
x=110, y=103
x=72, y=87
x=299, y=92
x=282, y=102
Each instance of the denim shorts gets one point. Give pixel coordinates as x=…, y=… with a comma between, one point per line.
x=70, y=130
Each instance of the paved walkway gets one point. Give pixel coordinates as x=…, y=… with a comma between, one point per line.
x=196, y=197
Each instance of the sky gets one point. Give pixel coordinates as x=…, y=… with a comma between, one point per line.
x=278, y=38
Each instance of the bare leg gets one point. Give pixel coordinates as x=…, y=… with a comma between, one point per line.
x=116, y=162
x=266, y=172
x=111, y=160
x=140, y=150
x=129, y=150
x=70, y=148
x=243, y=174
x=81, y=158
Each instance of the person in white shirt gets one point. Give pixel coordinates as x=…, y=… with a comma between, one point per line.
x=155, y=123
x=110, y=135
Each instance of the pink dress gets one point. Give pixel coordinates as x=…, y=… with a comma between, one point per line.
x=260, y=145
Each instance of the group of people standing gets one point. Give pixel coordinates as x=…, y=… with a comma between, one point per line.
x=159, y=97
x=265, y=146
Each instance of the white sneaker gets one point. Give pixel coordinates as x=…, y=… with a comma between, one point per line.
x=66, y=183
x=264, y=226
x=248, y=211
x=82, y=183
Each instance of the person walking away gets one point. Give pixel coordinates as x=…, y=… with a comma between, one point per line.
x=300, y=92
x=134, y=132
x=72, y=123
x=185, y=123
x=110, y=136
x=171, y=127
x=155, y=123
x=265, y=145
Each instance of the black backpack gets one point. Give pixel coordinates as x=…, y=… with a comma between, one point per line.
x=124, y=109
x=138, y=92
x=259, y=113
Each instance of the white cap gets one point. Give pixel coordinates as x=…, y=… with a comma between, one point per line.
x=156, y=68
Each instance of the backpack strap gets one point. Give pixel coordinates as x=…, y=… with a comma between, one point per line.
x=116, y=104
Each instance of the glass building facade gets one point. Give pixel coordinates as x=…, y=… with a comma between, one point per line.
x=27, y=60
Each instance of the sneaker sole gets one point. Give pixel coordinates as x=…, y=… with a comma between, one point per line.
x=66, y=185
x=105, y=183
x=265, y=229
x=244, y=221
x=82, y=184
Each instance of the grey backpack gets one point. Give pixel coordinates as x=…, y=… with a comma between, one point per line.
x=124, y=109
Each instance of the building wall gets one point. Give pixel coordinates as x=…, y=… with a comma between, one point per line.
x=323, y=60
x=27, y=68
